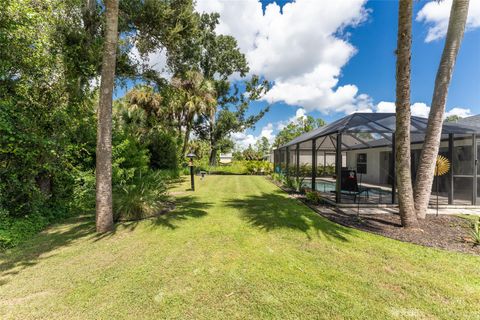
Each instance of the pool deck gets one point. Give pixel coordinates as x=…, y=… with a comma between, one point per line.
x=380, y=197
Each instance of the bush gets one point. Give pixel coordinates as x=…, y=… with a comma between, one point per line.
x=313, y=197
x=137, y=189
x=259, y=167
x=475, y=232
x=15, y=230
x=129, y=158
x=142, y=197
x=290, y=183
x=163, y=151
x=84, y=190
x=237, y=167
x=277, y=177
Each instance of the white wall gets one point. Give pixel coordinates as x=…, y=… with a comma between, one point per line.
x=306, y=158
x=374, y=169
x=373, y=174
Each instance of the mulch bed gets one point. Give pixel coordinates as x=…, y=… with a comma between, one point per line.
x=447, y=232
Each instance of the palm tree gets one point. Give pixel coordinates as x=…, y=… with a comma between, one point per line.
x=143, y=109
x=145, y=98
x=104, y=214
x=197, y=98
x=402, y=132
x=424, y=180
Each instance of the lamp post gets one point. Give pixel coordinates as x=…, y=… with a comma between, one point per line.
x=190, y=164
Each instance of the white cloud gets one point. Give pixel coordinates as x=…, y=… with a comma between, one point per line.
x=461, y=112
x=267, y=132
x=420, y=109
x=299, y=114
x=156, y=60
x=243, y=140
x=385, y=107
x=436, y=13
x=299, y=48
x=363, y=103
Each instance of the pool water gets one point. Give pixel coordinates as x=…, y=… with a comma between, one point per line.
x=326, y=186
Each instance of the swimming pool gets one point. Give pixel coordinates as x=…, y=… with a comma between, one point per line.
x=327, y=186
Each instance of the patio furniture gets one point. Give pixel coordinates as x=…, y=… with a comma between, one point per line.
x=349, y=185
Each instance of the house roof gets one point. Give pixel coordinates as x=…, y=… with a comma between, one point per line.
x=226, y=155
x=471, y=121
x=365, y=128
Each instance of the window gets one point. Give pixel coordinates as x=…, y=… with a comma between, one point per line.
x=362, y=163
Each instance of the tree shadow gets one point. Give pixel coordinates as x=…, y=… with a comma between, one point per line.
x=176, y=182
x=59, y=235
x=185, y=207
x=270, y=211
x=30, y=253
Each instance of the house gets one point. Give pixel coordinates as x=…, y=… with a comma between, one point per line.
x=365, y=156
x=470, y=121
x=226, y=158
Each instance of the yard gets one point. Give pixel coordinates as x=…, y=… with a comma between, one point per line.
x=236, y=248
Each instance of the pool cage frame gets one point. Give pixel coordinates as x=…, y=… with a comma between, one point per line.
x=361, y=131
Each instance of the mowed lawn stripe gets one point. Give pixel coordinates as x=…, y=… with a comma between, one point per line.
x=236, y=248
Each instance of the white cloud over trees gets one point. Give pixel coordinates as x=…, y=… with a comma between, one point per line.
x=436, y=14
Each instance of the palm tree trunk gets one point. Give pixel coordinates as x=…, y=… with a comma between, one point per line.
x=185, y=140
x=213, y=142
x=424, y=180
x=402, y=132
x=213, y=157
x=104, y=214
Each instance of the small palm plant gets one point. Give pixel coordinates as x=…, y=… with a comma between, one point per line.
x=475, y=232
x=142, y=197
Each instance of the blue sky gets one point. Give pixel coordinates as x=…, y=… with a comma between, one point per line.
x=372, y=68
x=330, y=58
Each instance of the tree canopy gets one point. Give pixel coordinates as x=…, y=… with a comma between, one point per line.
x=296, y=128
x=51, y=61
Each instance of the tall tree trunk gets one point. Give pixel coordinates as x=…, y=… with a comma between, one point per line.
x=426, y=168
x=104, y=214
x=213, y=157
x=402, y=132
x=213, y=142
x=185, y=140
x=91, y=5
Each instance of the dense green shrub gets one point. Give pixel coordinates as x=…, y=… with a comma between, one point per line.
x=237, y=167
x=259, y=167
x=129, y=158
x=475, y=232
x=313, y=197
x=142, y=196
x=15, y=230
x=138, y=191
x=163, y=151
x=277, y=177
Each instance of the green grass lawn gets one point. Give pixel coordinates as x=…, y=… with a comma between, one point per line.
x=237, y=248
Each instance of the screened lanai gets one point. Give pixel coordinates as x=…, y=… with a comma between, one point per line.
x=352, y=160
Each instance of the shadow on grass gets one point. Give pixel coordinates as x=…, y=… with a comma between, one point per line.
x=31, y=252
x=61, y=235
x=185, y=207
x=270, y=211
x=173, y=183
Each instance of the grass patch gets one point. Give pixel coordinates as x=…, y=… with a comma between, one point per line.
x=236, y=248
